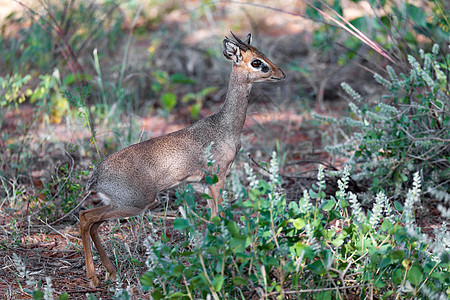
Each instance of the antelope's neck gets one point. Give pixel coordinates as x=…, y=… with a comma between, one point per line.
x=233, y=112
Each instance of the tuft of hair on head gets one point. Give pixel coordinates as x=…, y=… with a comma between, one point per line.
x=242, y=45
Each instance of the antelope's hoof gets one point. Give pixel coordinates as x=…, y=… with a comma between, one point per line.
x=112, y=276
x=94, y=282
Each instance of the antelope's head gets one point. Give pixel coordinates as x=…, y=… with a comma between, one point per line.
x=249, y=61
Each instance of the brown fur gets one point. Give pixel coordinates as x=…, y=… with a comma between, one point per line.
x=129, y=180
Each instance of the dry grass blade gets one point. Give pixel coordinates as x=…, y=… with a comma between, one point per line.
x=352, y=30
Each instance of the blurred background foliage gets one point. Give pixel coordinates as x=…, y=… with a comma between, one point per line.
x=147, y=59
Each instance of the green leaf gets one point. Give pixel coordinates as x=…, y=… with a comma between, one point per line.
x=187, y=97
x=180, y=78
x=298, y=223
x=64, y=296
x=266, y=188
x=186, y=254
x=417, y=15
x=136, y=262
x=168, y=101
x=211, y=180
x=321, y=195
x=313, y=14
x=325, y=295
x=233, y=228
x=386, y=225
x=410, y=37
x=239, y=280
x=187, y=194
x=216, y=220
x=400, y=235
x=404, y=177
x=398, y=206
x=387, y=295
x=337, y=242
x=394, y=229
x=157, y=294
x=159, y=271
x=218, y=282
x=212, y=250
x=195, y=109
x=379, y=282
x=398, y=254
x=329, y=205
x=239, y=243
x=344, y=203
x=328, y=234
x=312, y=194
x=73, y=78
x=397, y=277
x=375, y=259
x=38, y=295
x=178, y=270
x=156, y=87
x=293, y=207
x=415, y=275
x=166, y=249
x=208, y=90
x=386, y=261
x=360, y=23
x=181, y=224
x=317, y=267
x=164, y=239
x=177, y=295
x=206, y=196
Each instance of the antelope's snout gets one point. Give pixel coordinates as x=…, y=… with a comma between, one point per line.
x=279, y=75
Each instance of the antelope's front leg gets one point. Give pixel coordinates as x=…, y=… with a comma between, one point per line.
x=216, y=191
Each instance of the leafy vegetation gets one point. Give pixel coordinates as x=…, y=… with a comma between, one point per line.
x=322, y=246
x=403, y=133
x=390, y=30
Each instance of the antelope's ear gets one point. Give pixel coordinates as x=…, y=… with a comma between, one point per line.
x=249, y=39
x=231, y=50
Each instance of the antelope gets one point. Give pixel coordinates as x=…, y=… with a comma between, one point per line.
x=129, y=180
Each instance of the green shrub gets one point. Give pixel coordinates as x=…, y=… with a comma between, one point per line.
x=406, y=132
x=41, y=46
x=51, y=41
x=263, y=247
x=399, y=27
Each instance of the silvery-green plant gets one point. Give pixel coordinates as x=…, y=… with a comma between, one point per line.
x=48, y=289
x=357, y=211
x=377, y=210
x=405, y=131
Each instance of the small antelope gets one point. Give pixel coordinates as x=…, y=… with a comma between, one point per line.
x=129, y=180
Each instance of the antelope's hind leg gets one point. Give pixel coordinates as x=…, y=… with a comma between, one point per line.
x=90, y=221
x=87, y=219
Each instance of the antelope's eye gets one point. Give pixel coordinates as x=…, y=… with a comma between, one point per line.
x=256, y=63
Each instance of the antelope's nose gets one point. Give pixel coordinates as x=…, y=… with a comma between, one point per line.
x=279, y=76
